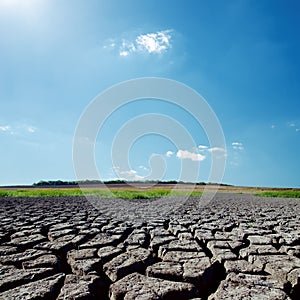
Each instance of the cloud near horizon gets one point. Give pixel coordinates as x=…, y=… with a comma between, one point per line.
x=184, y=154
x=127, y=174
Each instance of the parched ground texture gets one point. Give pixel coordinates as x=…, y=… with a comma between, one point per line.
x=237, y=247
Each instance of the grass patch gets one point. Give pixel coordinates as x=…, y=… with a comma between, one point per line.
x=281, y=194
x=41, y=193
x=124, y=194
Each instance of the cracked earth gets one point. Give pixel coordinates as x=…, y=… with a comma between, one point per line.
x=237, y=247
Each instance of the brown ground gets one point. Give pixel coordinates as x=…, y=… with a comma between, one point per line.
x=237, y=246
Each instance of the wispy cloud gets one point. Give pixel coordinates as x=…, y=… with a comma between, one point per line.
x=17, y=129
x=234, y=163
x=237, y=146
x=143, y=168
x=149, y=43
x=294, y=125
x=237, y=154
x=219, y=151
x=184, y=154
x=5, y=128
x=127, y=48
x=216, y=149
x=287, y=125
x=31, y=129
x=169, y=153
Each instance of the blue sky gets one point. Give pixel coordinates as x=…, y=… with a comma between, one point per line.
x=241, y=56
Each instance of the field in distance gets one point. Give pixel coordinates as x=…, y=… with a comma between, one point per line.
x=140, y=190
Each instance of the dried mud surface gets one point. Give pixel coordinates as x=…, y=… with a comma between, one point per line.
x=237, y=247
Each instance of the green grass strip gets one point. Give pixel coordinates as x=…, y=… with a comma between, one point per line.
x=124, y=194
x=281, y=194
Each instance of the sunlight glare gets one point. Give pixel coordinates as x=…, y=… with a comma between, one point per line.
x=18, y=3
x=28, y=9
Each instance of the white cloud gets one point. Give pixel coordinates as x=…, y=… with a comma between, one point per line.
x=5, y=128
x=237, y=146
x=202, y=147
x=169, y=153
x=127, y=174
x=273, y=126
x=184, y=154
x=124, y=53
x=126, y=48
x=216, y=149
x=297, y=129
x=31, y=129
x=157, y=42
x=149, y=43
